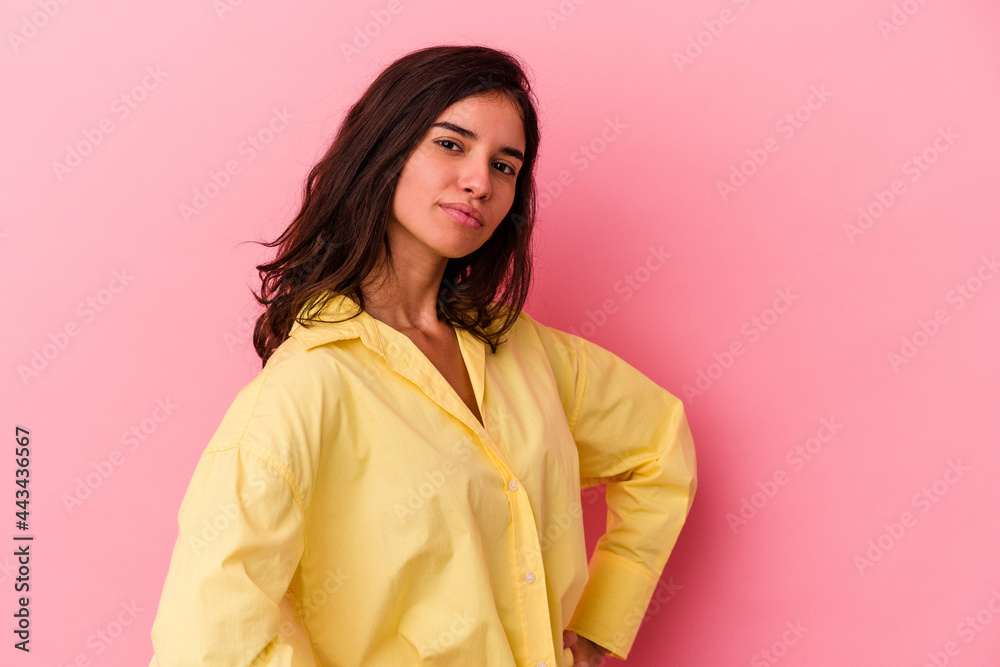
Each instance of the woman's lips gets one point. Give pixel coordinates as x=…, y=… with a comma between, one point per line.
x=462, y=218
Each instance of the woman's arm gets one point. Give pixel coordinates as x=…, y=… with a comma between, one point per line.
x=240, y=527
x=239, y=542
x=632, y=434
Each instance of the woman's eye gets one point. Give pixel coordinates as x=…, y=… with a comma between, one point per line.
x=447, y=144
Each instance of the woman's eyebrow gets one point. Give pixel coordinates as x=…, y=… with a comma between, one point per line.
x=469, y=134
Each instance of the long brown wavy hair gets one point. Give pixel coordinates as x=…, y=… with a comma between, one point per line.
x=339, y=234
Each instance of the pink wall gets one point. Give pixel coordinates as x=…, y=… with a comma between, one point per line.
x=840, y=372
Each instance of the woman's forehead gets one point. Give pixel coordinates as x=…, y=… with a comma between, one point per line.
x=470, y=115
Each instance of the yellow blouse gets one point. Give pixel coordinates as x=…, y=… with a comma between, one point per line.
x=351, y=510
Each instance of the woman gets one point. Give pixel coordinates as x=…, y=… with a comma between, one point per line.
x=386, y=491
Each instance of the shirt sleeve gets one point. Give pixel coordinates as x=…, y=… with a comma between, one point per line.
x=239, y=543
x=633, y=435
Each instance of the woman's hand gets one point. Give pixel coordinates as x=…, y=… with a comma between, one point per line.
x=585, y=652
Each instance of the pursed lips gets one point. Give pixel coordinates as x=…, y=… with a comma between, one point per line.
x=464, y=214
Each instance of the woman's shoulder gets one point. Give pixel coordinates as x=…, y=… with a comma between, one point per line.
x=530, y=328
x=283, y=415
x=292, y=389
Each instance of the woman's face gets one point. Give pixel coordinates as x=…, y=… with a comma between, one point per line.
x=471, y=156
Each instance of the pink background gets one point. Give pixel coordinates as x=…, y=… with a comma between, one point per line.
x=880, y=548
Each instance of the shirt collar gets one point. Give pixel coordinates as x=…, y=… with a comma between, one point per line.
x=401, y=354
x=363, y=326
x=339, y=307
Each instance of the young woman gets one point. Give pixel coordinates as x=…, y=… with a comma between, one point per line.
x=388, y=491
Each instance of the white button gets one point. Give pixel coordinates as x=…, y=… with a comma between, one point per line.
x=530, y=577
x=512, y=485
x=542, y=664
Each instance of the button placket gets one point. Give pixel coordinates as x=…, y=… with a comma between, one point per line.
x=532, y=595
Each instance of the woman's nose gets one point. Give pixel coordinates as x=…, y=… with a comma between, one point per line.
x=475, y=178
